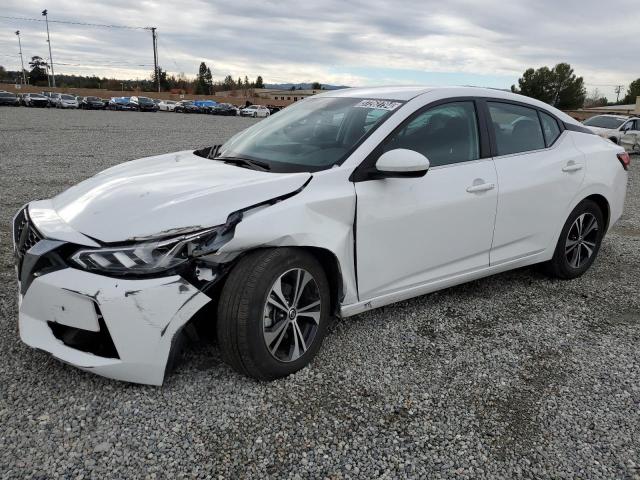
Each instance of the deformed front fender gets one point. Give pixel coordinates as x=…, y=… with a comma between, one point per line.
x=321, y=216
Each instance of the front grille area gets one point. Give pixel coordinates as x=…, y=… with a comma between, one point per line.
x=25, y=236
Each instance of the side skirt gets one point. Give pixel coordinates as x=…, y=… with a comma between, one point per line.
x=382, y=300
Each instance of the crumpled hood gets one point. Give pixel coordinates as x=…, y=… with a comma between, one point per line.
x=166, y=194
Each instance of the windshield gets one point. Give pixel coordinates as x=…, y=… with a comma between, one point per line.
x=67, y=97
x=93, y=99
x=144, y=100
x=7, y=95
x=311, y=135
x=604, y=122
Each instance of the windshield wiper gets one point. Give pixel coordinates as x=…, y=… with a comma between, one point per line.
x=245, y=162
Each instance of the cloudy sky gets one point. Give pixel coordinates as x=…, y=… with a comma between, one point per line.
x=351, y=42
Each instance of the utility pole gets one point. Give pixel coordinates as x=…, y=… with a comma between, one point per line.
x=156, y=73
x=53, y=75
x=24, y=77
x=618, y=89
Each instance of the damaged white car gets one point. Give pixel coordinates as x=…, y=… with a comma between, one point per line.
x=344, y=202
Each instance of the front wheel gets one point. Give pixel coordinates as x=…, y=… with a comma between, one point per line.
x=273, y=313
x=579, y=241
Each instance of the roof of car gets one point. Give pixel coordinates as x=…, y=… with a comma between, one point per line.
x=620, y=117
x=406, y=93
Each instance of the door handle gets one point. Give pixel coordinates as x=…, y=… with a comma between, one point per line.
x=572, y=167
x=483, y=187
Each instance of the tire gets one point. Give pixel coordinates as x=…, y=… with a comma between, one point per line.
x=575, y=242
x=255, y=115
x=242, y=328
x=614, y=140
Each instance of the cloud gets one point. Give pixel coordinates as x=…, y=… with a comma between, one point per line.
x=336, y=41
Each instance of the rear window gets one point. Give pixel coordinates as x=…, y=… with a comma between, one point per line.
x=517, y=129
x=550, y=128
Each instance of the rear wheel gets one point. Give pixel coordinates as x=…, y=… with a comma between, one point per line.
x=579, y=241
x=273, y=313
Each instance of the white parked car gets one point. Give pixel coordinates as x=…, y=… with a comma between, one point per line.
x=255, y=111
x=631, y=141
x=65, y=101
x=343, y=202
x=167, y=105
x=612, y=127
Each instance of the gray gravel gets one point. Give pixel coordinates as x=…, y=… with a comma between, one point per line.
x=514, y=376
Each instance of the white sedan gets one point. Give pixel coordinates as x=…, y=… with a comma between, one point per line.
x=167, y=105
x=347, y=201
x=66, y=101
x=613, y=127
x=255, y=111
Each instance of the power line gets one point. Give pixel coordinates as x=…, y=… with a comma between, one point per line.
x=66, y=22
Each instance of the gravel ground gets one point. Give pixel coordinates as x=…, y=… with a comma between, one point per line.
x=514, y=376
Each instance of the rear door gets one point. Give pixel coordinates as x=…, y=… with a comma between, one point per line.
x=539, y=172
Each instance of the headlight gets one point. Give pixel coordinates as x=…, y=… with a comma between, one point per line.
x=152, y=257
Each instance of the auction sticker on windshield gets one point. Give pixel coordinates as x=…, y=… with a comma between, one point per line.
x=378, y=104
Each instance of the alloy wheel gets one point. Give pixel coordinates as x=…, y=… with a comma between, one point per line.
x=291, y=315
x=581, y=240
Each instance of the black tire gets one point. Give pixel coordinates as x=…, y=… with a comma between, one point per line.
x=241, y=312
x=560, y=265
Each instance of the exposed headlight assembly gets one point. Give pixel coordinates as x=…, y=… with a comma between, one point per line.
x=156, y=256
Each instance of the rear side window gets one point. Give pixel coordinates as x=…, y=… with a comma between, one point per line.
x=517, y=129
x=549, y=128
x=444, y=134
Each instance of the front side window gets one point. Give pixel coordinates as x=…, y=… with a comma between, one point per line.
x=517, y=129
x=311, y=135
x=444, y=134
x=549, y=128
x=630, y=125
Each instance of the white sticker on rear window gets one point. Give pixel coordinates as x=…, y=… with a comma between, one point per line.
x=378, y=104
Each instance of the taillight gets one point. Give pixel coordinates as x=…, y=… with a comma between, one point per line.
x=625, y=160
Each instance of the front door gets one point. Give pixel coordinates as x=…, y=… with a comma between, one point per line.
x=412, y=231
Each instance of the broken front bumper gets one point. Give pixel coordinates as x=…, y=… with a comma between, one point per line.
x=121, y=329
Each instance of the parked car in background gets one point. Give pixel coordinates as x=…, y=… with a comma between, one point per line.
x=186, y=106
x=91, y=103
x=53, y=99
x=11, y=99
x=35, y=100
x=204, y=106
x=612, y=127
x=255, y=111
x=631, y=141
x=143, y=104
x=66, y=101
x=120, y=103
x=225, y=109
x=49, y=96
x=166, y=105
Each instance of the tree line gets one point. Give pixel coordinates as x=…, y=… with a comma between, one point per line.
x=203, y=84
x=559, y=86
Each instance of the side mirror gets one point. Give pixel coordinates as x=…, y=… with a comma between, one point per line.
x=401, y=163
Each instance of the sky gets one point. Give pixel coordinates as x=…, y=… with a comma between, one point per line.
x=341, y=42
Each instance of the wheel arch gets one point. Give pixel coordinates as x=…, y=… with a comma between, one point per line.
x=325, y=257
x=604, y=206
